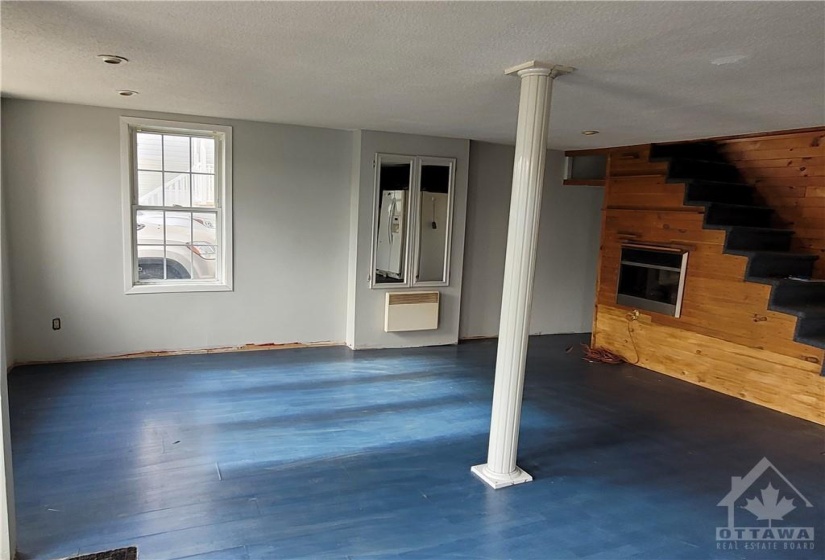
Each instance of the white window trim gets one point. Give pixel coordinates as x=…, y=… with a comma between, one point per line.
x=223, y=175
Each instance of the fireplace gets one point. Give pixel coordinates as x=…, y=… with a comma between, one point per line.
x=652, y=278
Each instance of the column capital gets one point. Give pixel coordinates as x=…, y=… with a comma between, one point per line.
x=538, y=68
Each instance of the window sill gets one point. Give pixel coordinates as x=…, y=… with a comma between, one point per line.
x=183, y=287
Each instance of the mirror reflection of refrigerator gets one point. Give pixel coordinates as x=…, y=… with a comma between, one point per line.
x=389, y=257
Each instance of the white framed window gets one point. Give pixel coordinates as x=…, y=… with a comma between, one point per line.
x=177, y=206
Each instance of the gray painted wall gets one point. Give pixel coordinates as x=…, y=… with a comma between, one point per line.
x=291, y=209
x=366, y=321
x=565, y=282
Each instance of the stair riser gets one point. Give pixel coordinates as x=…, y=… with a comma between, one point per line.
x=810, y=327
x=764, y=266
x=704, y=170
x=753, y=217
x=743, y=240
x=798, y=294
x=708, y=151
x=729, y=194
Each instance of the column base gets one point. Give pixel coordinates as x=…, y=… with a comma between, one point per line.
x=496, y=481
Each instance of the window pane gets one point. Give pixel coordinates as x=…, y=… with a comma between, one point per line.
x=203, y=191
x=176, y=153
x=178, y=228
x=204, y=227
x=178, y=262
x=203, y=155
x=175, y=172
x=149, y=152
x=150, y=262
x=150, y=188
x=204, y=261
x=176, y=186
x=204, y=245
x=149, y=224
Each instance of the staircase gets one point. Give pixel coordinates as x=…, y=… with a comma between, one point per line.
x=730, y=205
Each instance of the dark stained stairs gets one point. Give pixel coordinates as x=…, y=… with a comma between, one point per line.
x=731, y=205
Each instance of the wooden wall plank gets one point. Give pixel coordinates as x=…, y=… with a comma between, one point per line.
x=792, y=162
x=810, y=139
x=781, y=153
x=779, y=182
x=777, y=172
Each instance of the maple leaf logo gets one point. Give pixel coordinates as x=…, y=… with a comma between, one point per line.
x=770, y=507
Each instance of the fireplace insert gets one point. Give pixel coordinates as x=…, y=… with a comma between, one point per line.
x=652, y=278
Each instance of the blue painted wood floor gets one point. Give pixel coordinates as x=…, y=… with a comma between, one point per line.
x=326, y=453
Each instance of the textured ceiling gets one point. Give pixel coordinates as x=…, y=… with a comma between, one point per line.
x=645, y=70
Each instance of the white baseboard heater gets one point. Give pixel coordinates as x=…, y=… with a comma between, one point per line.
x=411, y=311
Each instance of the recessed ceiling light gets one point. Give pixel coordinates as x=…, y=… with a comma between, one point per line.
x=126, y=92
x=112, y=58
x=589, y=132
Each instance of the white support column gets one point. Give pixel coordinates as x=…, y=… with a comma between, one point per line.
x=522, y=236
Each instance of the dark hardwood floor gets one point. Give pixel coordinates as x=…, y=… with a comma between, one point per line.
x=326, y=453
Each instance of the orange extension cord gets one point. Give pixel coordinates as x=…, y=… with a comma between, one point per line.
x=605, y=356
x=600, y=356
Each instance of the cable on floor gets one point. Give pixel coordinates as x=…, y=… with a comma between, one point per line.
x=605, y=356
x=600, y=356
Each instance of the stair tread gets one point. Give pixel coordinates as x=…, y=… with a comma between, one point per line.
x=758, y=228
x=693, y=160
x=710, y=182
x=720, y=184
x=797, y=281
x=699, y=201
x=755, y=252
x=729, y=207
x=749, y=206
x=806, y=310
x=774, y=281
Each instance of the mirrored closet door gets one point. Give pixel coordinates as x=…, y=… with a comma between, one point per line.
x=412, y=221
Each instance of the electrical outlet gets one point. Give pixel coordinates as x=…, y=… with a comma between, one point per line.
x=56, y=324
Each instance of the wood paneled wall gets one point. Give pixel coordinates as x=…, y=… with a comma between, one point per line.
x=788, y=171
x=726, y=339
